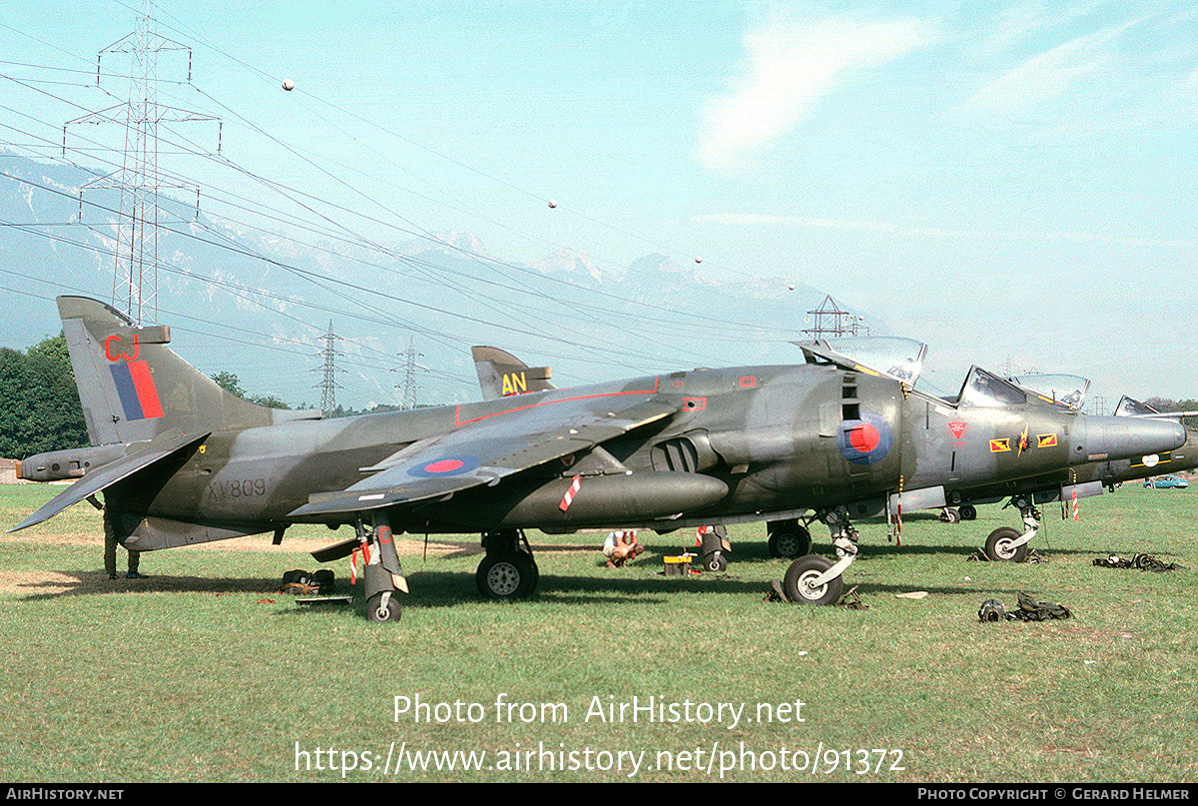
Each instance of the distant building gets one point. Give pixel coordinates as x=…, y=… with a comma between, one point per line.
x=8, y=471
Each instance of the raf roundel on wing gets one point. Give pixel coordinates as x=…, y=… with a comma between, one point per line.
x=446, y=466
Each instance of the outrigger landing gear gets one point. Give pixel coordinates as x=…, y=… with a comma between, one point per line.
x=817, y=580
x=384, y=575
x=1006, y=543
x=713, y=542
x=508, y=571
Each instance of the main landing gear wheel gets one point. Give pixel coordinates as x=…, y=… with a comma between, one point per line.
x=506, y=575
x=378, y=612
x=968, y=512
x=998, y=545
x=790, y=542
x=950, y=515
x=800, y=575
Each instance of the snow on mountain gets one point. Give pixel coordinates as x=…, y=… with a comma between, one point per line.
x=256, y=302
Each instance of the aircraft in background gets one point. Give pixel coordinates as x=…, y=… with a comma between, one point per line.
x=180, y=461
x=501, y=374
x=1066, y=485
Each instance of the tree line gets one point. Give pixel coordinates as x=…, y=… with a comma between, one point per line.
x=39, y=405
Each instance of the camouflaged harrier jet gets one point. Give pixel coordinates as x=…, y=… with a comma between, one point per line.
x=180, y=461
x=501, y=373
x=1068, y=485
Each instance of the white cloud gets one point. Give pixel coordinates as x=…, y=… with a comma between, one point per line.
x=1176, y=105
x=791, y=65
x=1018, y=23
x=1050, y=74
x=929, y=233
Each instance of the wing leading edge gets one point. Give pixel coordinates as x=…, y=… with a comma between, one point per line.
x=487, y=449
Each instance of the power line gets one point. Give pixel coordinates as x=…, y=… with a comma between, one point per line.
x=832, y=320
x=328, y=385
x=138, y=180
x=410, y=386
x=319, y=216
x=653, y=311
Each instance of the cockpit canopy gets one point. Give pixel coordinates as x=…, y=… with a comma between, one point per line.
x=985, y=389
x=1130, y=407
x=903, y=359
x=898, y=358
x=1068, y=391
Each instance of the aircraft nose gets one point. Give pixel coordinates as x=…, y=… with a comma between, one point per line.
x=1126, y=438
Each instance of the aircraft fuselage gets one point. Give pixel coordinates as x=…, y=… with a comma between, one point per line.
x=746, y=444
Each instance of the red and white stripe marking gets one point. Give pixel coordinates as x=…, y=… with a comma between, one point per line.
x=568, y=498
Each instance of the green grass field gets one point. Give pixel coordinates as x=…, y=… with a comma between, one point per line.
x=203, y=673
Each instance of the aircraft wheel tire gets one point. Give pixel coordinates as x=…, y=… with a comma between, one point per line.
x=377, y=613
x=790, y=543
x=716, y=562
x=797, y=582
x=950, y=515
x=536, y=576
x=506, y=575
x=968, y=512
x=998, y=545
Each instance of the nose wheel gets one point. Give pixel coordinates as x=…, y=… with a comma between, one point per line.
x=816, y=580
x=1010, y=545
x=803, y=581
x=1002, y=544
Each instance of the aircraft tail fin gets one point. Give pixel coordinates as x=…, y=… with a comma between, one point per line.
x=133, y=387
x=501, y=374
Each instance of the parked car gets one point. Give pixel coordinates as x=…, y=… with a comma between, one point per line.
x=1164, y=482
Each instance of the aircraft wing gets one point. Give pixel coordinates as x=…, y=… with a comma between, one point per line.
x=487, y=449
x=142, y=457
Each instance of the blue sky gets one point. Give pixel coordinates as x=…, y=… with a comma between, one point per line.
x=1009, y=182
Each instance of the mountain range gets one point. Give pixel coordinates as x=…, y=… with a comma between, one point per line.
x=260, y=302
